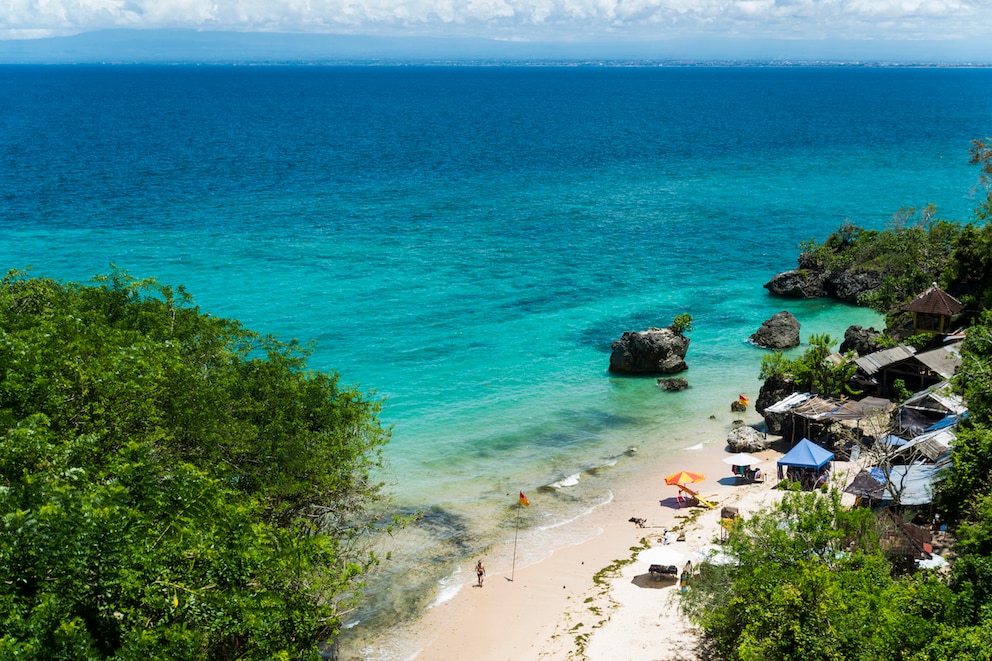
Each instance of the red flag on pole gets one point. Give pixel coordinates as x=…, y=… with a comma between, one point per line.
x=523, y=500
x=744, y=401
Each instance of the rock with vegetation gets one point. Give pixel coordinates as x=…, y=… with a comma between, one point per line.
x=781, y=331
x=853, y=285
x=172, y=485
x=817, y=278
x=654, y=351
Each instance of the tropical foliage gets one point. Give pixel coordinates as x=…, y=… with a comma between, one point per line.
x=813, y=371
x=172, y=485
x=811, y=581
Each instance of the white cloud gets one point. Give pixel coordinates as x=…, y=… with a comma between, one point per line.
x=520, y=19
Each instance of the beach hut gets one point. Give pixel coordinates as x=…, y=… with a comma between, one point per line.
x=933, y=310
x=807, y=463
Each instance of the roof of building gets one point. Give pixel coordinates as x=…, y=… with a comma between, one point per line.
x=873, y=362
x=939, y=398
x=788, y=403
x=942, y=360
x=913, y=483
x=856, y=409
x=935, y=301
x=933, y=445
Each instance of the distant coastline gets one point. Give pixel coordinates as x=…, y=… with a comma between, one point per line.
x=189, y=47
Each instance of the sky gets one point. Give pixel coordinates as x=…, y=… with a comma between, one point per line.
x=898, y=29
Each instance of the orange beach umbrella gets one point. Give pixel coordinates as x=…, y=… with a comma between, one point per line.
x=684, y=477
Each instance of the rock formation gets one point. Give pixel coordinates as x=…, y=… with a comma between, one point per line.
x=862, y=341
x=797, y=284
x=673, y=385
x=781, y=331
x=810, y=280
x=772, y=391
x=747, y=439
x=654, y=351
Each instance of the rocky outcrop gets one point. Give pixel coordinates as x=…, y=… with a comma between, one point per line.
x=812, y=281
x=850, y=285
x=861, y=341
x=781, y=331
x=800, y=283
x=673, y=385
x=654, y=351
x=774, y=390
x=747, y=439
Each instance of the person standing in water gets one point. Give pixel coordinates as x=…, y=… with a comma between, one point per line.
x=480, y=571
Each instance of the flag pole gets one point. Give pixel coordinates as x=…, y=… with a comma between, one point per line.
x=522, y=501
x=516, y=528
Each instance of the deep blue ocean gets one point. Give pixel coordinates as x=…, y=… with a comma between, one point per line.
x=466, y=242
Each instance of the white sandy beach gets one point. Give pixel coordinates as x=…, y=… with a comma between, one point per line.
x=583, y=601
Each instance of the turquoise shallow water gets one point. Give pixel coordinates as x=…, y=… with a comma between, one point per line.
x=467, y=242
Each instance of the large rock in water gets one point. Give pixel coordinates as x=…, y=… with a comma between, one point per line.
x=654, y=351
x=779, y=332
x=747, y=439
x=812, y=280
x=798, y=284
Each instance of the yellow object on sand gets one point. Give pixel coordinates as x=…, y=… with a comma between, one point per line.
x=702, y=501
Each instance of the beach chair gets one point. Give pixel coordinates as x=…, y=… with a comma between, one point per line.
x=689, y=492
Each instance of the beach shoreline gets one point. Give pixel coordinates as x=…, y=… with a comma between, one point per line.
x=569, y=604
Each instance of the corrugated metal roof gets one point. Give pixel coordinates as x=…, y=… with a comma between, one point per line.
x=874, y=362
x=932, y=445
x=938, y=396
x=914, y=484
x=942, y=360
x=786, y=404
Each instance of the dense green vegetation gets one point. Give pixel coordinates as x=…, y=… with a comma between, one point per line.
x=816, y=581
x=812, y=371
x=916, y=250
x=172, y=485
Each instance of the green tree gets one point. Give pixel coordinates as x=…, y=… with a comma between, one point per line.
x=981, y=154
x=172, y=485
x=682, y=323
x=811, y=581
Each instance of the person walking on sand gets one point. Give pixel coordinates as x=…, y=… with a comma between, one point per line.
x=480, y=572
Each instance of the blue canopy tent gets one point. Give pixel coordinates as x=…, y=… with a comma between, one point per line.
x=806, y=462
